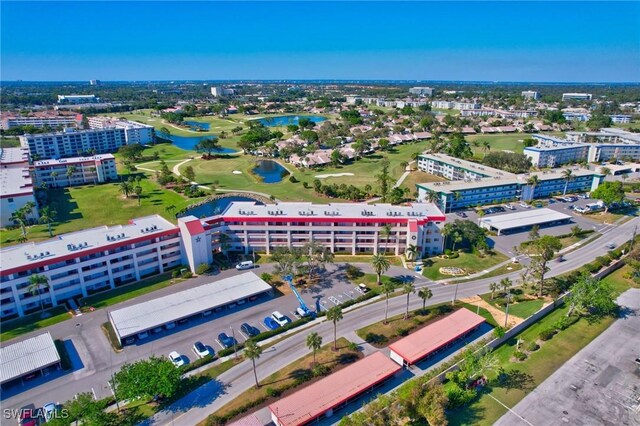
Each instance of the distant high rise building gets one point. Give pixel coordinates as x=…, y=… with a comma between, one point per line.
x=221, y=91
x=422, y=91
x=94, y=82
x=530, y=94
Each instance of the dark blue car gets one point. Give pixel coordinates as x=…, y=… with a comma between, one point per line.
x=271, y=323
x=249, y=330
x=226, y=341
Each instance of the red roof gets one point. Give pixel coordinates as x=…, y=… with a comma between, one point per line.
x=313, y=401
x=194, y=227
x=434, y=336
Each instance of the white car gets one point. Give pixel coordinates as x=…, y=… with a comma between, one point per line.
x=176, y=359
x=49, y=410
x=201, y=350
x=280, y=319
x=509, y=206
x=525, y=205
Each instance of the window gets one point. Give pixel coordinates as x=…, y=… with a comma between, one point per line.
x=10, y=200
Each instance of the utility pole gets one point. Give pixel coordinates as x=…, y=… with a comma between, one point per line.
x=455, y=295
x=633, y=237
x=506, y=317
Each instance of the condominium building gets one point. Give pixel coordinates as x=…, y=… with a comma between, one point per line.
x=75, y=171
x=473, y=184
x=455, y=105
x=40, y=120
x=16, y=184
x=493, y=112
x=530, y=94
x=134, y=132
x=221, y=91
x=421, y=91
x=349, y=228
x=576, y=96
x=72, y=143
x=620, y=119
x=552, y=152
x=81, y=263
x=77, y=99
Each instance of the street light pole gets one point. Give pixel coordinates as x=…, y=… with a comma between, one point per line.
x=455, y=295
x=506, y=317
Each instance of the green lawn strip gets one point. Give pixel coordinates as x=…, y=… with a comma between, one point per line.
x=535, y=369
x=16, y=327
x=111, y=336
x=9, y=142
x=417, y=177
x=380, y=334
x=129, y=291
x=482, y=312
x=620, y=280
x=521, y=309
x=470, y=262
x=292, y=376
x=89, y=206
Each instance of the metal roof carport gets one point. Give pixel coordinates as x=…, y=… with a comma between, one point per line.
x=434, y=337
x=28, y=356
x=538, y=216
x=146, y=316
x=323, y=396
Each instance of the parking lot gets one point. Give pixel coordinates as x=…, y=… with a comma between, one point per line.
x=506, y=243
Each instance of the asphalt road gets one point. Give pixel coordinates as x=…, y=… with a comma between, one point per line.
x=196, y=406
x=95, y=361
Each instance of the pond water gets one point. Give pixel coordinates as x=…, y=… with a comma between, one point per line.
x=197, y=125
x=270, y=171
x=214, y=207
x=189, y=142
x=285, y=120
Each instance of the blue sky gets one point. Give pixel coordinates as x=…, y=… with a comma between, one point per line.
x=501, y=41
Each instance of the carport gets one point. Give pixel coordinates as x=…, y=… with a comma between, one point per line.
x=523, y=220
x=28, y=357
x=131, y=321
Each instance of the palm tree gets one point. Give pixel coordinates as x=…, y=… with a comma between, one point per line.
x=567, y=175
x=387, y=289
x=424, y=294
x=54, y=175
x=138, y=191
x=486, y=147
x=446, y=230
x=170, y=209
x=35, y=282
x=605, y=171
x=314, y=342
x=225, y=243
x=334, y=314
x=412, y=252
x=70, y=171
x=533, y=182
x=385, y=231
x=380, y=265
x=47, y=216
x=125, y=188
x=253, y=352
x=457, y=238
x=407, y=289
x=505, y=284
x=432, y=197
x=493, y=287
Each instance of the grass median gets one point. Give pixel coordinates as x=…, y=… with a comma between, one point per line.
x=16, y=327
x=471, y=263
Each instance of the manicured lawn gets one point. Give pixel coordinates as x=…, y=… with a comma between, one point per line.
x=505, y=269
x=98, y=205
x=523, y=309
x=220, y=368
x=293, y=375
x=471, y=263
x=620, y=280
x=9, y=142
x=533, y=371
x=379, y=334
x=129, y=291
x=500, y=142
x=14, y=328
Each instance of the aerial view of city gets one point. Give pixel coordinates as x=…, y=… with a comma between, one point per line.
x=349, y=213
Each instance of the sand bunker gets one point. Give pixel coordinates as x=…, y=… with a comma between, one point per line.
x=333, y=175
x=236, y=172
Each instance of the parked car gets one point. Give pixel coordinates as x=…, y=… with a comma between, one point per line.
x=509, y=206
x=280, y=319
x=201, y=350
x=226, y=341
x=49, y=410
x=244, y=265
x=363, y=288
x=524, y=205
x=570, y=207
x=249, y=330
x=461, y=214
x=176, y=359
x=271, y=323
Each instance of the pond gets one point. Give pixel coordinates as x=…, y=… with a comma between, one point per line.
x=270, y=171
x=197, y=125
x=285, y=120
x=214, y=207
x=189, y=142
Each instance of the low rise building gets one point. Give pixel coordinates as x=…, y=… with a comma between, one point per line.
x=553, y=152
x=77, y=99
x=72, y=143
x=421, y=91
x=350, y=228
x=620, y=119
x=75, y=171
x=16, y=185
x=84, y=262
x=40, y=120
x=134, y=132
x=530, y=94
x=577, y=96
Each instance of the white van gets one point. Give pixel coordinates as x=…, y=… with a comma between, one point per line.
x=244, y=265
